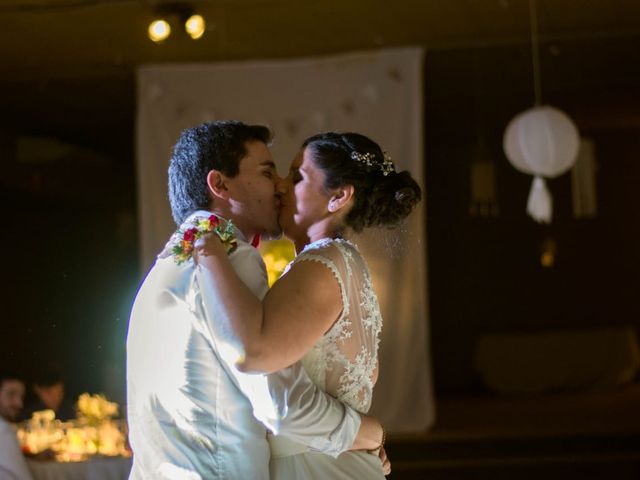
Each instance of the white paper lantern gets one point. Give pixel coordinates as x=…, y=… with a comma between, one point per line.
x=541, y=141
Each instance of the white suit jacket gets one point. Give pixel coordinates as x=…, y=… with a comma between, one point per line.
x=191, y=414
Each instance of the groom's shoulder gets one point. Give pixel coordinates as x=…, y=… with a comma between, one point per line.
x=246, y=256
x=249, y=265
x=167, y=275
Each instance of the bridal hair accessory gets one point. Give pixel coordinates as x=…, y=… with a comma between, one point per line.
x=180, y=245
x=369, y=159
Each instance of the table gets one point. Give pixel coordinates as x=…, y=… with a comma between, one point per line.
x=96, y=468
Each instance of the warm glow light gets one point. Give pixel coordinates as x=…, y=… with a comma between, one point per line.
x=548, y=253
x=195, y=26
x=547, y=259
x=276, y=254
x=159, y=30
x=93, y=432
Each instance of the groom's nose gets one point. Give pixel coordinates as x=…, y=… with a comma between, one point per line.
x=281, y=186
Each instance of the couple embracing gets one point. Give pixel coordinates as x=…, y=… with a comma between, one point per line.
x=228, y=379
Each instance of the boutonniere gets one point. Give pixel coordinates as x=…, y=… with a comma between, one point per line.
x=181, y=243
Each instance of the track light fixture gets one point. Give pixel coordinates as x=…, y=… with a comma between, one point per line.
x=176, y=14
x=195, y=26
x=159, y=30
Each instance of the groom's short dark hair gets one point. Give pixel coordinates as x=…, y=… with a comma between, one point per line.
x=210, y=146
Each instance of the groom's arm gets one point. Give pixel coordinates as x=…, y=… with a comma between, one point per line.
x=308, y=415
x=312, y=417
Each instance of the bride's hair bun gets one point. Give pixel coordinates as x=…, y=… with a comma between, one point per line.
x=391, y=200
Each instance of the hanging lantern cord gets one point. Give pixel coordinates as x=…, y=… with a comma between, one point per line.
x=535, y=54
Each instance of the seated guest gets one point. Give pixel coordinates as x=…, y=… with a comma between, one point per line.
x=12, y=463
x=49, y=389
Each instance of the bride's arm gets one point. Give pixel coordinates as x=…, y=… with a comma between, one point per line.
x=277, y=332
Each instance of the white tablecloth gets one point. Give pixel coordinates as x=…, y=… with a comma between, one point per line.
x=97, y=468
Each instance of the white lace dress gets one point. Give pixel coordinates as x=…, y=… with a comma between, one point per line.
x=344, y=363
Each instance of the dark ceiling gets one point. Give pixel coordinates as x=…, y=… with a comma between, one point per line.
x=68, y=66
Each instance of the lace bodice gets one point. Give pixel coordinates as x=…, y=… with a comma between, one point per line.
x=344, y=362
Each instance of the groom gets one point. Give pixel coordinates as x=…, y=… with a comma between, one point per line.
x=192, y=415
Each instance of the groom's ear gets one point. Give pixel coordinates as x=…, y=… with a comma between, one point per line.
x=341, y=198
x=217, y=185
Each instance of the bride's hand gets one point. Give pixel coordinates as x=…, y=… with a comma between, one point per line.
x=207, y=244
x=386, y=464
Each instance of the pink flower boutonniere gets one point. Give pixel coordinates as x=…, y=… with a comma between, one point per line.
x=181, y=243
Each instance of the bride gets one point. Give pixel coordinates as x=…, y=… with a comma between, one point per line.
x=323, y=310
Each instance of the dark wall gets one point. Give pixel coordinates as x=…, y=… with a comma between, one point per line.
x=70, y=243
x=485, y=274
x=69, y=239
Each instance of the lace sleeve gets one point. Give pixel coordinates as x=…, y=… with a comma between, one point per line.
x=344, y=361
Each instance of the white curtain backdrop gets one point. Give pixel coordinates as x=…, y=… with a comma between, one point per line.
x=378, y=94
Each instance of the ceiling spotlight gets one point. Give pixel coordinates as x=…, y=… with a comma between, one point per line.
x=195, y=26
x=159, y=30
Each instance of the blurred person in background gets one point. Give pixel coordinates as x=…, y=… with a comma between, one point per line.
x=48, y=387
x=12, y=463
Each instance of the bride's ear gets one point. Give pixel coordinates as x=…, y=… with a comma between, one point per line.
x=217, y=185
x=340, y=198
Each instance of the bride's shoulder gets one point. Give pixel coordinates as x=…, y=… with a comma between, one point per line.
x=329, y=245
x=334, y=249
